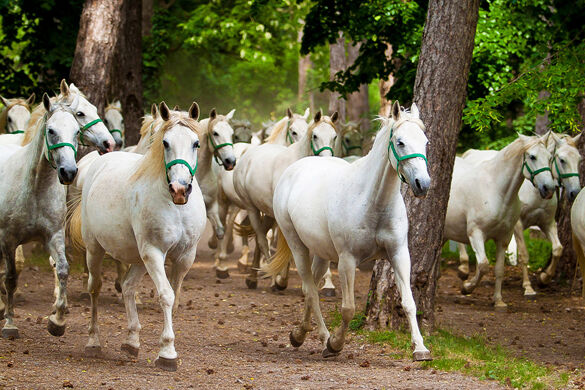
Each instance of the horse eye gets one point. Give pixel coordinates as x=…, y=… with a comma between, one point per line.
x=562, y=161
x=346, y=139
x=294, y=133
x=9, y=119
x=51, y=132
x=195, y=144
x=165, y=144
x=80, y=114
x=106, y=122
x=215, y=134
x=400, y=143
x=314, y=137
x=533, y=157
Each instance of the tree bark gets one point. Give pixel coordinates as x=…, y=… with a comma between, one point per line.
x=97, y=39
x=304, y=66
x=147, y=14
x=385, y=85
x=440, y=92
x=567, y=262
x=358, y=102
x=541, y=123
x=337, y=62
x=128, y=78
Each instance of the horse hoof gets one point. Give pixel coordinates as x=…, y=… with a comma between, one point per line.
x=243, y=268
x=222, y=274
x=544, y=279
x=501, y=308
x=10, y=333
x=166, y=364
x=252, y=284
x=212, y=243
x=421, y=356
x=130, y=350
x=530, y=295
x=329, y=351
x=278, y=287
x=328, y=292
x=294, y=341
x=54, y=329
x=467, y=289
x=93, y=351
x=462, y=275
x=118, y=286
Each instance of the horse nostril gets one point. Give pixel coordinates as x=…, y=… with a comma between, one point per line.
x=62, y=172
x=417, y=182
x=189, y=188
x=171, y=189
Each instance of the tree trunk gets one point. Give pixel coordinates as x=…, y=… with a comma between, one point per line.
x=358, y=102
x=385, y=85
x=99, y=29
x=304, y=66
x=337, y=62
x=128, y=78
x=541, y=122
x=567, y=262
x=440, y=92
x=147, y=14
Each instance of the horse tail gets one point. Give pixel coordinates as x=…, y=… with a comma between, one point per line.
x=74, y=221
x=580, y=259
x=281, y=258
x=243, y=230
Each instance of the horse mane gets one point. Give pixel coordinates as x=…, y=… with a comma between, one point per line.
x=566, y=138
x=278, y=128
x=212, y=123
x=11, y=103
x=110, y=106
x=153, y=162
x=520, y=145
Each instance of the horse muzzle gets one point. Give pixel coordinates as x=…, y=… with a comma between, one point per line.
x=420, y=187
x=67, y=174
x=229, y=163
x=180, y=193
x=106, y=147
x=546, y=192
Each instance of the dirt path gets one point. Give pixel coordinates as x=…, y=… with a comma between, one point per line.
x=230, y=337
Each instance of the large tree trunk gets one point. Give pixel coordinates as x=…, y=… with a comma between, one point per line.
x=358, y=102
x=541, y=123
x=147, y=14
x=129, y=69
x=385, y=85
x=337, y=62
x=568, y=261
x=440, y=92
x=304, y=66
x=99, y=29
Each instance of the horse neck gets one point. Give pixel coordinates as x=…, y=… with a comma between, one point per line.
x=375, y=176
x=39, y=171
x=204, y=156
x=3, y=119
x=506, y=174
x=302, y=148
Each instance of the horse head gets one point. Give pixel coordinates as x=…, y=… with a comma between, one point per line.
x=565, y=163
x=536, y=166
x=220, y=135
x=115, y=122
x=17, y=113
x=242, y=131
x=323, y=134
x=297, y=125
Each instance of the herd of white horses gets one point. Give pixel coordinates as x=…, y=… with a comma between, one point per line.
x=302, y=183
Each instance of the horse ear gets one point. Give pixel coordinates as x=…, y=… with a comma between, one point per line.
x=176, y=108
x=194, y=111
x=317, y=116
x=396, y=110
x=213, y=114
x=230, y=114
x=307, y=113
x=577, y=138
x=524, y=138
x=64, y=88
x=335, y=117
x=47, y=102
x=289, y=113
x=117, y=104
x=4, y=101
x=154, y=110
x=31, y=99
x=414, y=110
x=163, y=109
x=73, y=88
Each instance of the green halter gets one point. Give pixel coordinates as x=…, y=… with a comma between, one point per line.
x=116, y=131
x=531, y=172
x=316, y=152
x=216, y=148
x=562, y=175
x=85, y=127
x=348, y=147
x=399, y=158
x=17, y=132
x=181, y=162
x=56, y=146
x=288, y=135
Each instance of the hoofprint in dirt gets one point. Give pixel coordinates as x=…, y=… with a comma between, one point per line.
x=227, y=337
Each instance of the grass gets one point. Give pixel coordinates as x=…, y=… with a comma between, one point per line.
x=539, y=252
x=470, y=355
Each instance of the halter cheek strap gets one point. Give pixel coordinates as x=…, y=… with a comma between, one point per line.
x=49, y=156
x=560, y=175
x=402, y=158
x=288, y=135
x=85, y=127
x=181, y=162
x=116, y=131
x=216, y=148
x=531, y=172
x=317, y=151
x=349, y=147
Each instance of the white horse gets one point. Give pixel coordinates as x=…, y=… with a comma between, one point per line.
x=157, y=209
x=36, y=211
x=484, y=202
x=114, y=121
x=14, y=119
x=351, y=213
x=258, y=172
x=578, y=233
x=536, y=211
x=287, y=131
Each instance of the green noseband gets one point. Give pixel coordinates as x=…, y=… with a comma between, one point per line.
x=348, y=148
x=531, y=172
x=49, y=156
x=116, y=131
x=17, y=132
x=317, y=151
x=216, y=148
x=401, y=158
x=180, y=162
x=85, y=127
x=563, y=175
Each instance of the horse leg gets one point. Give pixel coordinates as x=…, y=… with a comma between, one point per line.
x=477, y=243
x=261, y=226
x=56, y=246
x=10, y=281
x=133, y=277
x=463, y=269
x=523, y=259
x=95, y=256
x=121, y=271
x=252, y=278
x=221, y=268
x=557, y=250
x=346, y=268
x=19, y=259
x=243, y=262
x=499, y=304
x=154, y=261
x=401, y=265
x=214, y=218
x=179, y=270
x=321, y=270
